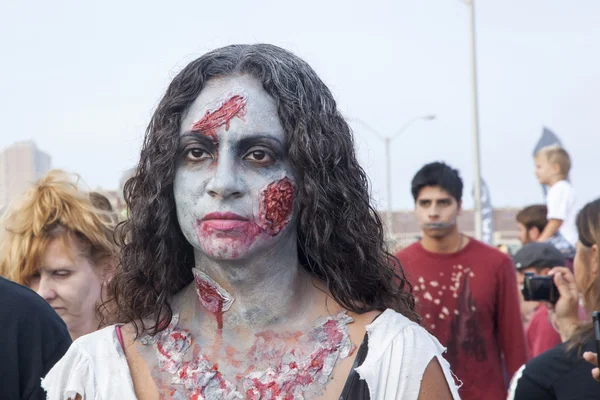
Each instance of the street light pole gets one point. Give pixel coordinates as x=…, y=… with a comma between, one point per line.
x=388, y=159
x=477, y=194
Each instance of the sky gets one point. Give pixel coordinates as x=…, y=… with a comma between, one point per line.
x=82, y=79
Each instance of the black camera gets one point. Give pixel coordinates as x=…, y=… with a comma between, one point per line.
x=539, y=288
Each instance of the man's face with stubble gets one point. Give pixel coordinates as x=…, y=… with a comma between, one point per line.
x=437, y=211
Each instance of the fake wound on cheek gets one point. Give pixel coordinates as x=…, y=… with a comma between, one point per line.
x=234, y=239
x=233, y=107
x=276, y=206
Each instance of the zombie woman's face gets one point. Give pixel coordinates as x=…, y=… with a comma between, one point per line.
x=234, y=186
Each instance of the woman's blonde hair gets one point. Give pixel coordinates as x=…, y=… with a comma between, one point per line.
x=54, y=208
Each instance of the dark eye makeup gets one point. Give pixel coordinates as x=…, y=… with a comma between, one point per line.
x=195, y=153
x=260, y=156
x=260, y=150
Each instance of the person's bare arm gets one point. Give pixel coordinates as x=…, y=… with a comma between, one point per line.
x=434, y=385
x=550, y=230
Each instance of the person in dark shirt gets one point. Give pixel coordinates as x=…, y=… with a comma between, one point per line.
x=557, y=374
x=32, y=339
x=562, y=372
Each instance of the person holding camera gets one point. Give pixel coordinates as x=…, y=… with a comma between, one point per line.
x=538, y=259
x=565, y=372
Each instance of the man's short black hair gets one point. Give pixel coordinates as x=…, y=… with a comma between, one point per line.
x=438, y=174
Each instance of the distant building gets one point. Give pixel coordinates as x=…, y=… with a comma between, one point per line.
x=21, y=165
x=406, y=229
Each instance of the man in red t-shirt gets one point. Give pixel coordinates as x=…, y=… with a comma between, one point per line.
x=538, y=258
x=466, y=290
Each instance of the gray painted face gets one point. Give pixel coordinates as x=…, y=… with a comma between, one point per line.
x=234, y=185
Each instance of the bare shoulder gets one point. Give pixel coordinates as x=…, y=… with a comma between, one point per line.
x=434, y=385
x=128, y=333
x=143, y=384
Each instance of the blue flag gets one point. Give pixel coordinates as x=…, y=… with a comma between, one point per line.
x=487, y=215
x=548, y=138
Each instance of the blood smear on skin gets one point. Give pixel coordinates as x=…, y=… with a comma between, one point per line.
x=234, y=243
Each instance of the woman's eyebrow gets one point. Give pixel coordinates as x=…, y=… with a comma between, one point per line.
x=198, y=136
x=248, y=140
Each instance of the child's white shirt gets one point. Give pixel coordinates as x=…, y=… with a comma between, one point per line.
x=561, y=205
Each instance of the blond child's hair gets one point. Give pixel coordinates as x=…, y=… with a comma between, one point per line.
x=557, y=155
x=55, y=208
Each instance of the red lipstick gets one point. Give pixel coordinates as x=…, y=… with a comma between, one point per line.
x=223, y=221
x=224, y=215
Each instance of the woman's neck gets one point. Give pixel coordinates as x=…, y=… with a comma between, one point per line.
x=269, y=289
x=89, y=327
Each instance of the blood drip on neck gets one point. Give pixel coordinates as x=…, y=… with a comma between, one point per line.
x=210, y=295
x=213, y=297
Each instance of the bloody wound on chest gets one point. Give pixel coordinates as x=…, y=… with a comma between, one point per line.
x=233, y=107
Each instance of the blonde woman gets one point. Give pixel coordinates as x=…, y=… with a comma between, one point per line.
x=58, y=240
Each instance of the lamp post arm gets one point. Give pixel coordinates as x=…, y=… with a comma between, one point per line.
x=411, y=121
x=404, y=127
x=367, y=127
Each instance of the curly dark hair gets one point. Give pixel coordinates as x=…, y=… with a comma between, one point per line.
x=340, y=235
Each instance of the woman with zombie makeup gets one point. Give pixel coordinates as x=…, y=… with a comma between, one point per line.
x=253, y=265
x=58, y=240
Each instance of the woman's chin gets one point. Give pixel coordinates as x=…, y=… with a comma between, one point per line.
x=225, y=252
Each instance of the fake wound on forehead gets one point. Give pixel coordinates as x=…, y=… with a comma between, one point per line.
x=234, y=106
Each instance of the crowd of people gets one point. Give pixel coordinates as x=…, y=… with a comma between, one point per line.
x=252, y=265
x=470, y=295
